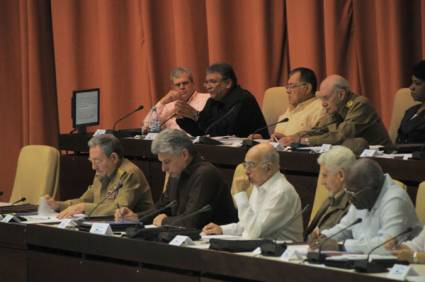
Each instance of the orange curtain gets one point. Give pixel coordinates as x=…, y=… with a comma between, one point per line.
x=127, y=48
x=28, y=105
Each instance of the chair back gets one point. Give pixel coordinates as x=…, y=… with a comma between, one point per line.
x=275, y=103
x=320, y=196
x=37, y=173
x=402, y=101
x=420, y=202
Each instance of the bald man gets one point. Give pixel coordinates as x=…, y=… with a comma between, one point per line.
x=273, y=209
x=348, y=116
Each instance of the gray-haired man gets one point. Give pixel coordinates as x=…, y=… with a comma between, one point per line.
x=193, y=183
x=118, y=182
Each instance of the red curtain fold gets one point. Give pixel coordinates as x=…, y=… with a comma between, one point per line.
x=28, y=105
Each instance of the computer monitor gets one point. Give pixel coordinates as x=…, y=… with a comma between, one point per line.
x=85, y=108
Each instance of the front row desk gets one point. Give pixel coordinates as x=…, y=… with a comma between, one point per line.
x=300, y=168
x=43, y=253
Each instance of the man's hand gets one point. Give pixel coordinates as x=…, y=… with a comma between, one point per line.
x=125, y=214
x=171, y=96
x=276, y=136
x=70, y=211
x=314, y=235
x=159, y=218
x=404, y=254
x=212, y=229
x=288, y=140
x=323, y=243
x=255, y=136
x=51, y=202
x=185, y=110
x=241, y=184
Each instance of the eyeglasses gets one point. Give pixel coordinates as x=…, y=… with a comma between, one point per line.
x=251, y=165
x=352, y=195
x=295, y=85
x=212, y=82
x=181, y=84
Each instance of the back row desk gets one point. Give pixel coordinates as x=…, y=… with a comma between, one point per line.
x=300, y=168
x=40, y=253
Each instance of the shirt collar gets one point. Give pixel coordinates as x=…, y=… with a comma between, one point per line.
x=269, y=183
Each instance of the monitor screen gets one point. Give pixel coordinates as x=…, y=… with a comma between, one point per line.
x=85, y=107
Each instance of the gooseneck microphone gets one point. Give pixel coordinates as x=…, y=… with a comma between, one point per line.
x=126, y=116
x=319, y=257
x=372, y=266
x=23, y=199
x=270, y=125
x=249, y=142
x=232, y=109
x=153, y=212
x=205, y=208
x=109, y=194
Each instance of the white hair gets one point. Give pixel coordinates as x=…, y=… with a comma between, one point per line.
x=337, y=158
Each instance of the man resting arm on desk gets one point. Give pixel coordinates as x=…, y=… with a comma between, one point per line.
x=117, y=182
x=193, y=183
x=273, y=209
x=385, y=209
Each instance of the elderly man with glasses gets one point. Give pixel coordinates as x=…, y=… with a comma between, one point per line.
x=348, y=116
x=384, y=208
x=273, y=210
x=304, y=110
x=231, y=110
x=182, y=91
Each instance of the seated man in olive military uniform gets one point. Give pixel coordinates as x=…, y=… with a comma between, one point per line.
x=348, y=116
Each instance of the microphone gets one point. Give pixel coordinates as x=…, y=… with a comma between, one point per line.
x=126, y=116
x=232, y=109
x=374, y=266
x=276, y=249
x=109, y=194
x=318, y=257
x=23, y=199
x=270, y=125
x=210, y=141
x=153, y=212
x=249, y=143
x=205, y=208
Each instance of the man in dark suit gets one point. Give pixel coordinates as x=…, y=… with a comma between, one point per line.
x=231, y=110
x=333, y=165
x=193, y=183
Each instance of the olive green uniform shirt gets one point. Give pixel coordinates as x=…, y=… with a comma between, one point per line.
x=134, y=192
x=355, y=118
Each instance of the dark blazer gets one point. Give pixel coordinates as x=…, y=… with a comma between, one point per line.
x=327, y=216
x=237, y=113
x=199, y=184
x=412, y=130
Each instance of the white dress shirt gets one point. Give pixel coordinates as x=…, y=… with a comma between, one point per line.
x=272, y=212
x=392, y=213
x=418, y=243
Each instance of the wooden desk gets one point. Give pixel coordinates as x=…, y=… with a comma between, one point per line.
x=51, y=254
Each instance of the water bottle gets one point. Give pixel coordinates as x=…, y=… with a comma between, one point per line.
x=154, y=123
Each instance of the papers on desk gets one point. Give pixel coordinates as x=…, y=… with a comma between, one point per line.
x=352, y=257
x=4, y=204
x=295, y=252
x=38, y=219
x=223, y=237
